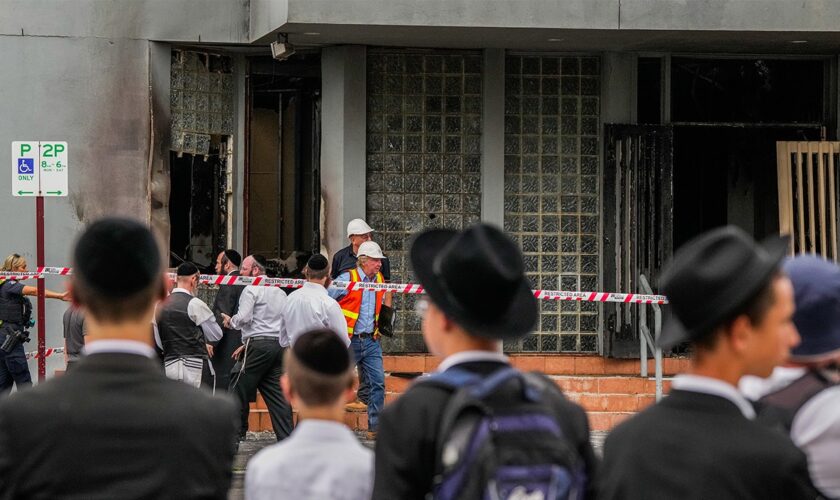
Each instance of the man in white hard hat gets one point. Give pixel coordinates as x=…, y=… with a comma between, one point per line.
x=358, y=232
x=362, y=309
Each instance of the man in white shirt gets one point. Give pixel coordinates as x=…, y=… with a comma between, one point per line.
x=311, y=308
x=803, y=397
x=322, y=458
x=186, y=330
x=260, y=318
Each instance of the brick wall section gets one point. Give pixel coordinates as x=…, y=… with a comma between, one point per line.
x=610, y=390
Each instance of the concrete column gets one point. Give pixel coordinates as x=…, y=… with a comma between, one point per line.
x=618, y=94
x=343, y=141
x=493, y=137
x=237, y=162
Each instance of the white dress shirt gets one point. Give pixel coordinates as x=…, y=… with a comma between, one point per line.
x=815, y=428
x=714, y=387
x=260, y=312
x=119, y=346
x=320, y=459
x=311, y=308
x=471, y=357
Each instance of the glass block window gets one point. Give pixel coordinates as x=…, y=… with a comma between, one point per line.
x=552, y=144
x=423, y=157
x=201, y=100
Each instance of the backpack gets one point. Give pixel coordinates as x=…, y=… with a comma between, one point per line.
x=780, y=408
x=500, y=439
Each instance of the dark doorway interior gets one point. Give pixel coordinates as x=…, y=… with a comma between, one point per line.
x=727, y=175
x=197, y=207
x=283, y=184
x=727, y=116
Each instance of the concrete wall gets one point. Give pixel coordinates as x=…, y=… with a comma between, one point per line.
x=86, y=72
x=216, y=21
x=94, y=94
x=343, y=141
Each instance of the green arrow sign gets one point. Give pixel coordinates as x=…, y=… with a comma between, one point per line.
x=54, y=192
x=25, y=192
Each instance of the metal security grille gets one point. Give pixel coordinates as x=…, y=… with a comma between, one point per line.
x=808, y=192
x=552, y=204
x=423, y=157
x=638, y=220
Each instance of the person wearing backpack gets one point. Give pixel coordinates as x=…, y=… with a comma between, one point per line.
x=477, y=428
x=730, y=300
x=803, y=397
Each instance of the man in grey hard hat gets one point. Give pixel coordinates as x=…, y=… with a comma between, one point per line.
x=358, y=232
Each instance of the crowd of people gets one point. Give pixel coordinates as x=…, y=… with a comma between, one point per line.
x=142, y=412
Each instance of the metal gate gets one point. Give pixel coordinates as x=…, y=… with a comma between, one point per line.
x=638, y=218
x=808, y=185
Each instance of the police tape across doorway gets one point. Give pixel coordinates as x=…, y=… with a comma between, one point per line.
x=406, y=288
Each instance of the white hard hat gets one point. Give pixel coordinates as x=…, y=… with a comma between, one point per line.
x=358, y=226
x=370, y=249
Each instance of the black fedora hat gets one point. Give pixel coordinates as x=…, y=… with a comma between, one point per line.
x=712, y=277
x=477, y=278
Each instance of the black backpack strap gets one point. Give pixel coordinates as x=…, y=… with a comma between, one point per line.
x=782, y=406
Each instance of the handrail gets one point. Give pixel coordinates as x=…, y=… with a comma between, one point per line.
x=646, y=340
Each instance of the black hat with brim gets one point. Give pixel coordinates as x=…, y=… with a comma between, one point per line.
x=476, y=278
x=712, y=277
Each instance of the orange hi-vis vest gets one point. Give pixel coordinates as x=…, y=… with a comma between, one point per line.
x=351, y=304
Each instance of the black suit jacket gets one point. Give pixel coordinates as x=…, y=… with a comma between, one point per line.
x=227, y=299
x=698, y=446
x=408, y=429
x=116, y=427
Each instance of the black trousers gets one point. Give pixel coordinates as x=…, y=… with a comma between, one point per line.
x=262, y=368
x=222, y=362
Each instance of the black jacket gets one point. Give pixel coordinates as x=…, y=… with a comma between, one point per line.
x=408, y=429
x=115, y=427
x=698, y=446
x=227, y=300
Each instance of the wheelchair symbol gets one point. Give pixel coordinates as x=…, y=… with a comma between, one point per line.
x=26, y=166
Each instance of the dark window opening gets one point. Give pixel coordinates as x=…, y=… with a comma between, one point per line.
x=197, y=207
x=747, y=90
x=649, y=91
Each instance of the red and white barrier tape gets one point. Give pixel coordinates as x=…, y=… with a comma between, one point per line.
x=407, y=288
x=47, y=352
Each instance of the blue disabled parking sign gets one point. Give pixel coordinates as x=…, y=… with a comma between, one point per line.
x=26, y=166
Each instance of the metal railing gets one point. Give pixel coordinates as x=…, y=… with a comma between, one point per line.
x=648, y=340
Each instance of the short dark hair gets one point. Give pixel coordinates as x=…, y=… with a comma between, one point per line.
x=755, y=309
x=108, y=245
x=319, y=367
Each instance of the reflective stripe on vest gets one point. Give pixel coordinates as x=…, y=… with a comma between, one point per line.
x=351, y=304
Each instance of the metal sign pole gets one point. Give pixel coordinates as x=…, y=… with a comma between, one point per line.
x=39, y=222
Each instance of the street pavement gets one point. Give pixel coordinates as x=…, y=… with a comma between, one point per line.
x=259, y=440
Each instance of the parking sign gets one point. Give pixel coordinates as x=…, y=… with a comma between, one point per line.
x=39, y=168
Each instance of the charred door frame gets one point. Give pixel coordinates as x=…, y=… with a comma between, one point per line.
x=638, y=219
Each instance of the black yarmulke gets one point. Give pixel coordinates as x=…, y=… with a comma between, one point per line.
x=322, y=351
x=317, y=262
x=117, y=256
x=186, y=269
x=233, y=256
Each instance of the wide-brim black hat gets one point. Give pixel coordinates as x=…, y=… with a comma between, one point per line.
x=476, y=278
x=712, y=277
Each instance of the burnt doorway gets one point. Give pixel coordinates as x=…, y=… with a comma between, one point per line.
x=198, y=206
x=283, y=162
x=727, y=115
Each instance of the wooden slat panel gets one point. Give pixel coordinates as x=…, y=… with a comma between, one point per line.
x=832, y=199
x=812, y=216
x=800, y=202
x=785, y=191
x=820, y=151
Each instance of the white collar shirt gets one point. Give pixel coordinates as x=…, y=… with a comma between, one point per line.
x=320, y=459
x=119, y=346
x=471, y=357
x=260, y=312
x=714, y=387
x=311, y=308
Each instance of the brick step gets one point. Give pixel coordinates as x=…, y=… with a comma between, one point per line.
x=610, y=390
